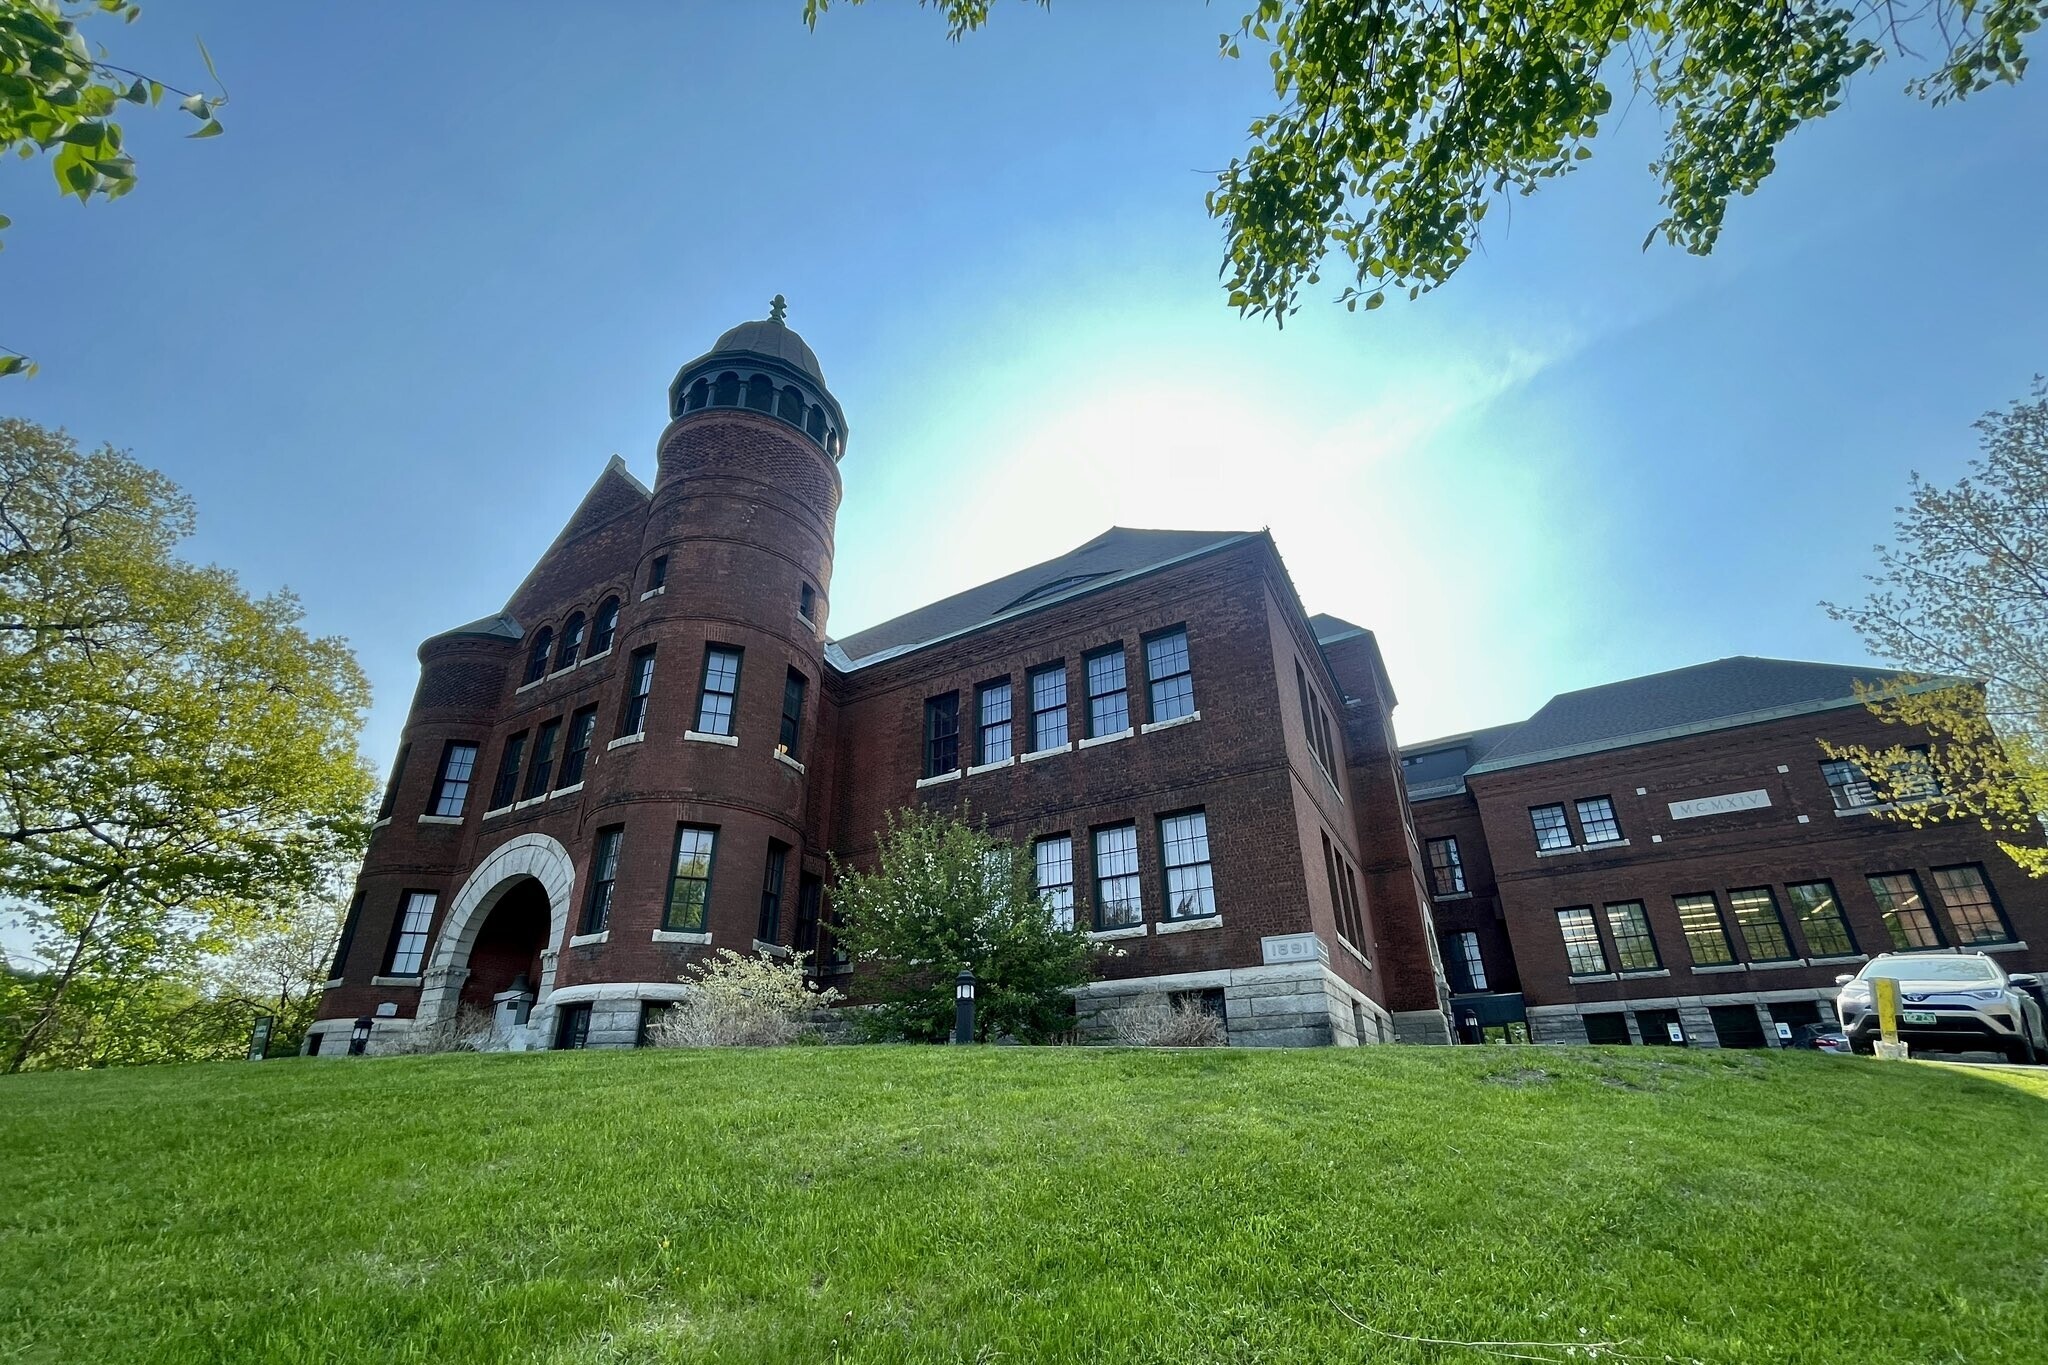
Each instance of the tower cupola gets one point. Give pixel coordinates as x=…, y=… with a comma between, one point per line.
x=765, y=367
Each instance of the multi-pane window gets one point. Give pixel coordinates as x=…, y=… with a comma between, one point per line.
x=543, y=766
x=1446, y=868
x=451, y=784
x=720, y=691
x=1597, y=822
x=1846, y=782
x=1109, y=709
x=1583, y=950
x=639, y=684
x=1190, y=881
x=1971, y=907
x=1904, y=910
x=1053, y=871
x=1914, y=778
x=1819, y=913
x=942, y=735
x=1049, y=707
x=1315, y=723
x=409, y=940
x=582, y=728
x=689, y=885
x=1169, y=681
x=537, y=658
x=506, y=789
x=1706, y=938
x=390, y=802
x=606, y=628
x=1118, y=900
x=1469, y=961
x=1344, y=900
x=771, y=892
x=572, y=642
x=604, y=872
x=572, y=1027
x=657, y=572
x=807, y=603
x=1635, y=949
x=792, y=714
x=993, y=729
x=1755, y=912
x=1553, y=831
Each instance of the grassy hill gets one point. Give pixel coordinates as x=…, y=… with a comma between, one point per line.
x=857, y=1204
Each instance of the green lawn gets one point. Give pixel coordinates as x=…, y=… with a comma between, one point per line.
x=929, y=1204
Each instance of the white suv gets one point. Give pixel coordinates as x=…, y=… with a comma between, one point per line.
x=1949, y=1001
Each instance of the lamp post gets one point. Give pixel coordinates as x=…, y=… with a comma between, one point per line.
x=359, y=1038
x=963, y=1007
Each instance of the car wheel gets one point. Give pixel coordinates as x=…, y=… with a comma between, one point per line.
x=1862, y=1048
x=2021, y=1052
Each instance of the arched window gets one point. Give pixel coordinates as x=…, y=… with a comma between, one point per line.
x=726, y=392
x=832, y=444
x=537, y=662
x=790, y=408
x=572, y=641
x=816, y=426
x=761, y=392
x=700, y=393
x=606, y=627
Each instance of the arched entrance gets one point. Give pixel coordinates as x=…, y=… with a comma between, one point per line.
x=530, y=878
x=509, y=944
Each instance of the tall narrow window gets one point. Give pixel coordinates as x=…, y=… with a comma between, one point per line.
x=1755, y=912
x=572, y=1027
x=720, y=693
x=1353, y=905
x=1053, y=869
x=1553, y=831
x=639, y=684
x=1308, y=715
x=451, y=783
x=604, y=873
x=810, y=891
x=942, y=735
x=770, y=924
x=1446, y=868
x=807, y=603
x=993, y=729
x=572, y=643
x=390, y=802
x=1470, y=962
x=1972, y=909
x=506, y=789
x=689, y=885
x=1706, y=938
x=1336, y=887
x=606, y=628
x=543, y=766
x=1049, y=707
x=792, y=714
x=1109, y=710
x=1847, y=784
x=537, y=658
x=1583, y=951
x=409, y=941
x=1119, y=902
x=1904, y=910
x=1170, y=684
x=1635, y=948
x=1819, y=913
x=1597, y=822
x=657, y=573
x=582, y=728
x=348, y=938
x=1184, y=851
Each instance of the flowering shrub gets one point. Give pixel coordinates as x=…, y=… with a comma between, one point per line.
x=740, y=1001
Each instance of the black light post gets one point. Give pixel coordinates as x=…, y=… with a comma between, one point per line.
x=963, y=1007
x=359, y=1038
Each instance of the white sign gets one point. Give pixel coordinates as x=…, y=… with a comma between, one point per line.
x=1279, y=948
x=1785, y=1032
x=1720, y=805
x=1677, y=1033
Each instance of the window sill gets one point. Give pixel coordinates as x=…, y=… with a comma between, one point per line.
x=953, y=776
x=529, y=801
x=1452, y=895
x=772, y=949
x=1124, y=733
x=1577, y=977
x=1182, y=926
x=332, y=983
x=661, y=591
x=1189, y=719
x=1352, y=948
x=381, y=822
x=1845, y=957
x=1037, y=754
x=590, y=659
x=679, y=936
x=1557, y=852
x=699, y=737
x=494, y=814
x=623, y=740
x=589, y=940
x=1604, y=843
x=786, y=761
x=528, y=687
x=562, y=672
x=2016, y=946
x=1644, y=973
x=565, y=791
x=440, y=819
x=991, y=767
x=1128, y=931
x=394, y=981
x=807, y=623
x=1717, y=968
x=1777, y=964
x=1330, y=780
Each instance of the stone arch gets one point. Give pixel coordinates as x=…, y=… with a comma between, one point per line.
x=530, y=855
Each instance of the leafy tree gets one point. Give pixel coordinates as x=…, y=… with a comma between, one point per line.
x=1401, y=122
x=58, y=96
x=177, y=759
x=279, y=969
x=945, y=895
x=1961, y=599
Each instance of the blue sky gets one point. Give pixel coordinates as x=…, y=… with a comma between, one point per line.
x=447, y=257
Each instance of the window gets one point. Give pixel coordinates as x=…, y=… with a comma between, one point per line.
x=537, y=659
x=1851, y=789
x=807, y=603
x=607, y=627
x=1904, y=910
x=1971, y=907
x=348, y=939
x=572, y=1027
x=543, y=766
x=639, y=683
x=1553, y=831
x=1582, y=949
x=390, y=802
x=720, y=691
x=1470, y=964
x=1737, y=1025
x=810, y=891
x=582, y=727
x=1184, y=850
x=1109, y=711
x=1634, y=947
x=653, y=1012
x=657, y=572
x=1118, y=900
x=792, y=714
x=1170, y=682
x=993, y=732
x=1353, y=906
x=1609, y=1028
x=1049, y=707
x=409, y=937
x=689, y=885
x=572, y=643
x=604, y=871
x=1762, y=928
x=942, y=735
x=506, y=790
x=1706, y=938
x=1315, y=723
x=1053, y=863
x=1596, y=820
x=1446, y=869
x=1343, y=895
x=451, y=784
x=771, y=892
x=1913, y=778
x=1819, y=914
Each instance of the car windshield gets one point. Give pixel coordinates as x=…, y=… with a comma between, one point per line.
x=1933, y=969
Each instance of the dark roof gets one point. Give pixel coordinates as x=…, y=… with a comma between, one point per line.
x=772, y=339
x=498, y=627
x=1329, y=628
x=1438, y=766
x=1117, y=553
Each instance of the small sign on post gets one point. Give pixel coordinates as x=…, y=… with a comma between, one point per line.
x=259, y=1038
x=1784, y=1032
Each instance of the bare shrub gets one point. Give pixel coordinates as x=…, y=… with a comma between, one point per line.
x=1162, y=1023
x=469, y=1029
x=740, y=1001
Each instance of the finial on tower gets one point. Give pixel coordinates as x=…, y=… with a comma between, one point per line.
x=778, y=309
